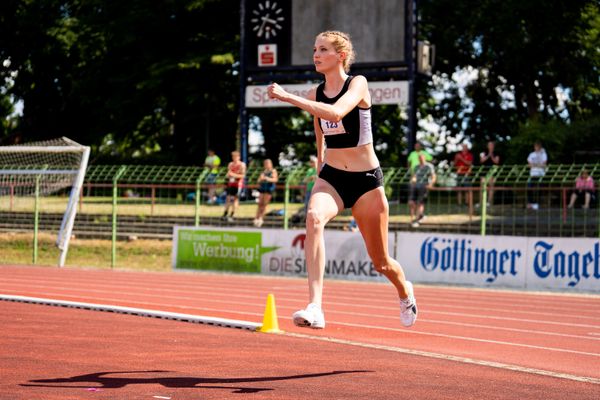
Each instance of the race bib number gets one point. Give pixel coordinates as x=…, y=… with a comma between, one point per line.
x=332, y=128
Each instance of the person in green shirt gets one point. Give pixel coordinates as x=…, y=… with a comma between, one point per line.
x=413, y=157
x=212, y=161
x=309, y=180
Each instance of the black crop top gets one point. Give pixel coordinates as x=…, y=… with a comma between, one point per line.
x=353, y=130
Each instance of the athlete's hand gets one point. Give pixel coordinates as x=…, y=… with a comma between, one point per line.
x=276, y=92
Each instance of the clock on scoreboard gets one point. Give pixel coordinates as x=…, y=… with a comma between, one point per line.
x=268, y=31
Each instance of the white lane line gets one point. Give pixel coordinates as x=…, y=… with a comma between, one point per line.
x=199, y=319
x=484, y=296
x=336, y=312
x=481, y=300
x=464, y=360
x=252, y=326
x=362, y=326
x=466, y=324
x=146, y=303
x=470, y=339
x=535, y=321
x=283, y=299
x=352, y=305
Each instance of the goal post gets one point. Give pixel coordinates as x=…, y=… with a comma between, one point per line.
x=41, y=169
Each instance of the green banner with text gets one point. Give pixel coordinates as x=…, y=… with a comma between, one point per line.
x=235, y=251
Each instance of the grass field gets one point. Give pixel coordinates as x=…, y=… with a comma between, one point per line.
x=147, y=255
x=134, y=206
x=17, y=248
x=174, y=208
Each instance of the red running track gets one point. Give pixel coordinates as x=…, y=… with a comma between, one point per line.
x=467, y=343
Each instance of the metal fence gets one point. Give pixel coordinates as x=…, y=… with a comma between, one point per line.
x=495, y=201
x=124, y=201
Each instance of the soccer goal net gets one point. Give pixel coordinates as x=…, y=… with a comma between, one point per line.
x=36, y=170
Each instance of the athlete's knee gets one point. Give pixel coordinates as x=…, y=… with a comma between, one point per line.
x=315, y=220
x=383, y=264
x=384, y=207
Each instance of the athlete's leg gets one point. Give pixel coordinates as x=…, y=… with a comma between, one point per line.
x=228, y=202
x=266, y=200
x=324, y=204
x=260, y=205
x=412, y=205
x=587, y=198
x=573, y=200
x=371, y=214
x=236, y=203
x=263, y=202
x=413, y=210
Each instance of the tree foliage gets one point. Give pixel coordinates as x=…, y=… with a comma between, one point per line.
x=135, y=79
x=533, y=61
x=156, y=80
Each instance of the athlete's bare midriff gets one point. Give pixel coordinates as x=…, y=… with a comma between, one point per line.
x=356, y=159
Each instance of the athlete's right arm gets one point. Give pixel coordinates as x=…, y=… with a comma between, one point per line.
x=357, y=90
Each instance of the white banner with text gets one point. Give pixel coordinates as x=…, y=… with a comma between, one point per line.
x=389, y=92
x=345, y=255
x=501, y=261
x=566, y=264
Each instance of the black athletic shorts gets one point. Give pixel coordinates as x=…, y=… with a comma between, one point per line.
x=351, y=185
x=233, y=191
x=418, y=193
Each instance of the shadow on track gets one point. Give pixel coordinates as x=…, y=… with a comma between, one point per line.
x=116, y=382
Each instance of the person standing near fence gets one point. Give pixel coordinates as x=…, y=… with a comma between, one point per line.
x=350, y=176
x=413, y=157
x=212, y=163
x=537, y=161
x=266, y=187
x=309, y=180
x=463, y=162
x=489, y=158
x=236, y=172
x=423, y=179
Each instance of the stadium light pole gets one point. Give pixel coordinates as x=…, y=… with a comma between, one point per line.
x=243, y=114
x=412, y=73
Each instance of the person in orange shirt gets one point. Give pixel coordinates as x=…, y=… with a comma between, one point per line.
x=463, y=161
x=236, y=172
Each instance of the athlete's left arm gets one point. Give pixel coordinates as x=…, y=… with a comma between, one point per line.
x=242, y=173
x=320, y=145
x=357, y=91
x=433, y=178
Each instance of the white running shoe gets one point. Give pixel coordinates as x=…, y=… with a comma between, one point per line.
x=311, y=317
x=408, y=307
